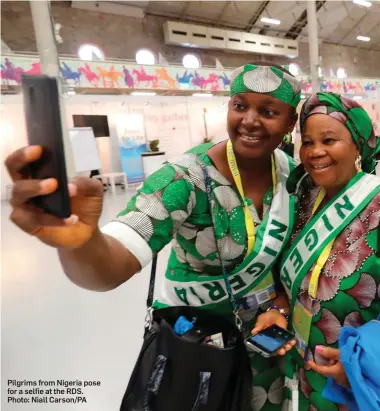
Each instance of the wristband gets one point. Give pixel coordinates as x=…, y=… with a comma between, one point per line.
x=280, y=310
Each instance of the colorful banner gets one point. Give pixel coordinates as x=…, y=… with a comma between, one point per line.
x=78, y=73
x=365, y=88
x=132, y=144
x=116, y=75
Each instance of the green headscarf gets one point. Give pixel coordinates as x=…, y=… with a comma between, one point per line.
x=353, y=116
x=268, y=80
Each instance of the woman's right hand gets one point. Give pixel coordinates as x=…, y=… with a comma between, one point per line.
x=269, y=318
x=86, y=196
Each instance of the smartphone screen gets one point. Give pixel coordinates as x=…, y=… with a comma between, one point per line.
x=270, y=340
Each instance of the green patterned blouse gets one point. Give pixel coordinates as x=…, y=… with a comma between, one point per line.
x=172, y=206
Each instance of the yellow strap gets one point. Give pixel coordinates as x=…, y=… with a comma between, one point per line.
x=249, y=223
x=321, y=195
x=314, y=279
x=274, y=175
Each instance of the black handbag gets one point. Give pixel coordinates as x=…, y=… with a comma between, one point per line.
x=174, y=373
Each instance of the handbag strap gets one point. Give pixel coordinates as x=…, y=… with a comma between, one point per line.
x=152, y=281
x=238, y=320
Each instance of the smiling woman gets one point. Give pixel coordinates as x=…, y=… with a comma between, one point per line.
x=250, y=216
x=331, y=270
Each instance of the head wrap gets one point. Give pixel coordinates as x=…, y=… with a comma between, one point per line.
x=353, y=116
x=267, y=80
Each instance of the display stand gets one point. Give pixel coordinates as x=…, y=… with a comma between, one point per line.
x=152, y=161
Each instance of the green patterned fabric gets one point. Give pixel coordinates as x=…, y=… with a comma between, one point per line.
x=268, y=80
x=353, y=116
x=348, y=294
x=172, y=206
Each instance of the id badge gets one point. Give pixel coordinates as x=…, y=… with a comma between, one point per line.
x=261, y=294
x=301, y=325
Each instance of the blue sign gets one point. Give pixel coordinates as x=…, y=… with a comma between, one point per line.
x=131, y=161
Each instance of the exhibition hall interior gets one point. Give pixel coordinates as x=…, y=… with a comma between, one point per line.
x=140, y=83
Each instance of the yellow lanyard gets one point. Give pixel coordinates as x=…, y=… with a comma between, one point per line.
x=249, y=223
x=314, y=279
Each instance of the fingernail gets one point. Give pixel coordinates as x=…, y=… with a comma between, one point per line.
x=319, y=348
x=46, y=184
x=72, y=189
x=72, y=220
x=31, y=151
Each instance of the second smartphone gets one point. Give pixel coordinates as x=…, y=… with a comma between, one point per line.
x=269, y=341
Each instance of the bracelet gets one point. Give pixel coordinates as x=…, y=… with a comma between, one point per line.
x=280, y=310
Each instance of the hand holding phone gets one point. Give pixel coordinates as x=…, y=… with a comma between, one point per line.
x=86, y=197
x=44, y=128
x=42, y=203
x=270, y=341
x=41, y=198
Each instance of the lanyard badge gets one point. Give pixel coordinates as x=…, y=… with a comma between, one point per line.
x=302, y=318
x=249, y=223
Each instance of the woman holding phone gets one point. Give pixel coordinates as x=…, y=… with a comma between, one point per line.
x=252, y=210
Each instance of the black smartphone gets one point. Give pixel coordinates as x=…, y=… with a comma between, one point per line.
x=269, y=341
x=44, y=128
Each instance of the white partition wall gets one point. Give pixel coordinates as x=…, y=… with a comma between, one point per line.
x=176, y=121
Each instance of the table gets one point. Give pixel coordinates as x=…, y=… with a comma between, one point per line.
x=110, y=177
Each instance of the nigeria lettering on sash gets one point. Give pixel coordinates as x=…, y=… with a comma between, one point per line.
x=271, y=236
x=200, y=293
x=325, y=226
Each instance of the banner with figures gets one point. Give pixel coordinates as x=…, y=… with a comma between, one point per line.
x=132, y=141
x=119, y=75
x=350, y=87
x=107, y=74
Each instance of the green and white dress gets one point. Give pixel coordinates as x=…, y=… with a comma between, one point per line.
x=348, y=292
x=172, y=206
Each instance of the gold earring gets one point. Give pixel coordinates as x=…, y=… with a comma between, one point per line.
x=358, y=163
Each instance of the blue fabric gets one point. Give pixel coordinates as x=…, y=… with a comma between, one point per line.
x=360, y=356
x=182, y=325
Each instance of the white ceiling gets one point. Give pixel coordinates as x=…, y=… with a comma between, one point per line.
x=339, y=22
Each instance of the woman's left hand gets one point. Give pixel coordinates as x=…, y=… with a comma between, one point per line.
x=334, y=369
x=273, y=317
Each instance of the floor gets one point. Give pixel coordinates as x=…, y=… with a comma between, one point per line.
x=53, y=330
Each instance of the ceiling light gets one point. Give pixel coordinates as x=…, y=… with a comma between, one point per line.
x=294, y=69
x=202, y=95
x=89, y=52
x=341, y=73
x=145, y=57
x=190, y=61
x=143, y=93
x=364, y=3
x=270, y=21
x=363, y=38
x=357, y=98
